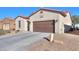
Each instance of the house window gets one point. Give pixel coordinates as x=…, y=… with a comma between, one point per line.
x=19, y=24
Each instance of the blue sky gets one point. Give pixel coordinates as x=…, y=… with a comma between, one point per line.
x=26, y=11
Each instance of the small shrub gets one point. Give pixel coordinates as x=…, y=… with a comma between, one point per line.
x=2, y=32
x=17, y=31
x=13, y=29
x=7, y=31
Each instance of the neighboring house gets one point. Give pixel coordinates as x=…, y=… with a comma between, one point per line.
x=7, y=24
x=45, y=20
x=22, y=23
x=0, y=24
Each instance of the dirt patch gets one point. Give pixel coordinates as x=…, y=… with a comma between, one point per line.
x=63, y=42
x=75, y=32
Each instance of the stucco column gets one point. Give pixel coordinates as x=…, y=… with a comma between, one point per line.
x=61, y=26
x=57, y=26
x=26, y=26
x=31, y=26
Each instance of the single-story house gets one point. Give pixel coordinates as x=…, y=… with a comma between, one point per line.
x=7, y=24
x=45, y=20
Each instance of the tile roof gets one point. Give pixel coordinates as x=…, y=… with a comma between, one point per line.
x=50, y=10
x=60, y=12
x=25, y=17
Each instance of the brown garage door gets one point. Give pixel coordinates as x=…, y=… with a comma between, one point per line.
x=44, y=26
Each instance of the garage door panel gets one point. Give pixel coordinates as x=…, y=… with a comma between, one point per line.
x=43, y=26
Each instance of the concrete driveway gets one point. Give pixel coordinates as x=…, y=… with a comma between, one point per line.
x=19, y=41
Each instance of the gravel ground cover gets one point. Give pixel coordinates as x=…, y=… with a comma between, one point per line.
x=62, y=42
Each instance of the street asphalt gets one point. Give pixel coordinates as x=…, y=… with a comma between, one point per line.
x=19, y=41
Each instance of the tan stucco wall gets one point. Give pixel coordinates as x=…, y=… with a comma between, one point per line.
x=0, y=24
x=8, y=21
x=64, y=21
x=23, y=24
x=11, y=22
x=61, y=24
x=67, y=20
x=46, y=16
